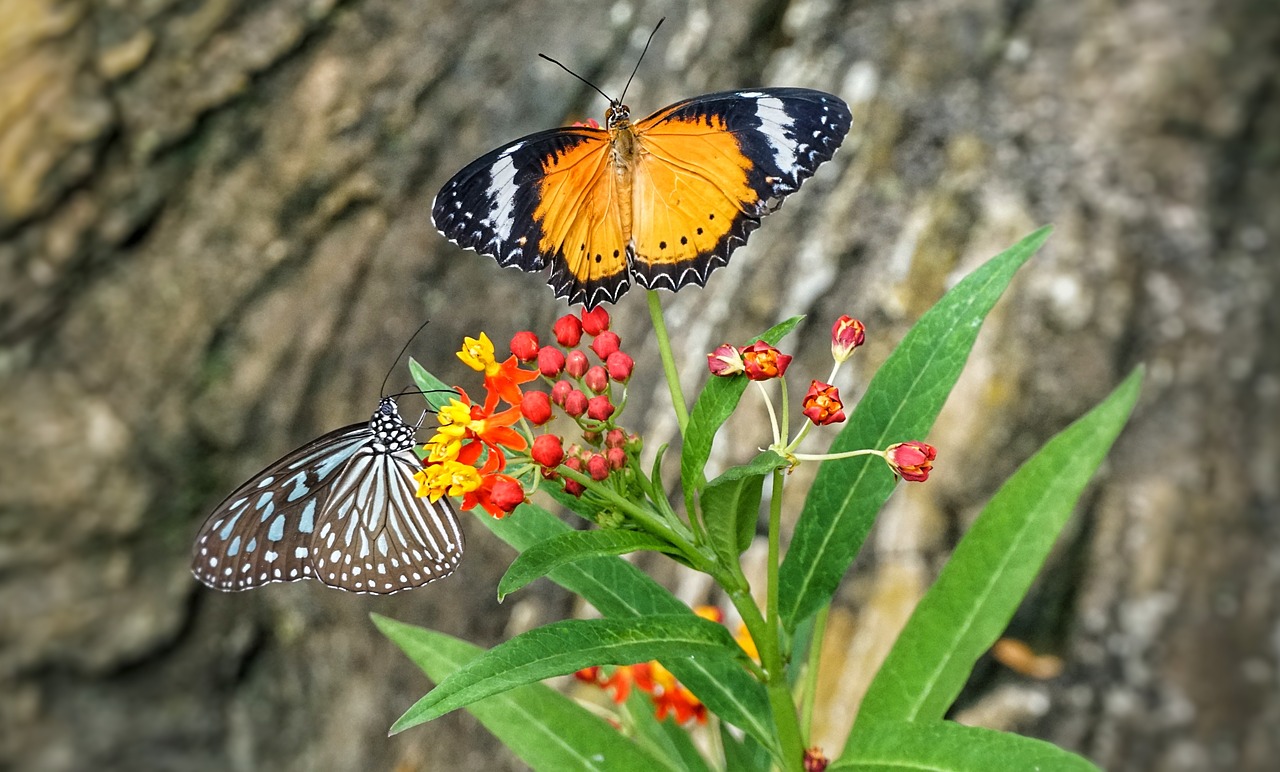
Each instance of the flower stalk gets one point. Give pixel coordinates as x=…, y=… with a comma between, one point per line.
x=668, y=360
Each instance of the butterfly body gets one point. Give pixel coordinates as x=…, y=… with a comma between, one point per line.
x=341, y=509
x=662, y=201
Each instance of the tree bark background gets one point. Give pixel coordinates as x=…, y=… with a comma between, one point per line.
x=215, y=235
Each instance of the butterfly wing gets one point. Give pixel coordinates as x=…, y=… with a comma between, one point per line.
x=376, y=535
x=544, y=200
x=258, y=534
x=714, y=165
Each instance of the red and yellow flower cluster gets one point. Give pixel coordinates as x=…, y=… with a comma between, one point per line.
x=468, y=454
x=670, y=697
x=472, y=434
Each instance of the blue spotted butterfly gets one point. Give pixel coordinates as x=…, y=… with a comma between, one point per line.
x=340, y=509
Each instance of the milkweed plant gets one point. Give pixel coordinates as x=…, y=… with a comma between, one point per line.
x=549, y=421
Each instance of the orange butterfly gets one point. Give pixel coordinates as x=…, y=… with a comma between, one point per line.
x=664, y=200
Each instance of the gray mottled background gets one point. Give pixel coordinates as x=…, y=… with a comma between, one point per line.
x=214, y=237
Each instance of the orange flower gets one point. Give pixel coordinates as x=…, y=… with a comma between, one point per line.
x=670, y=697
x=466, y=432
x=498, y=494
x=763, y=361
x=463, y=421
x=502, y=378
x=822, y=404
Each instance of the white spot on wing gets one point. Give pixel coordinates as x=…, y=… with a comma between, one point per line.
x=502, y=218
x=774, y=123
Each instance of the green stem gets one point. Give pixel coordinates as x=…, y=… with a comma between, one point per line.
x=668, y=360
x=811, y=677
x=790, y=750
x=770, y=646
x=648, y=520
x=830, y=456
x=775, y=530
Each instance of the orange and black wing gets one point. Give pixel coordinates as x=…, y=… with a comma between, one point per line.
x=713, y=166
x=544, y=200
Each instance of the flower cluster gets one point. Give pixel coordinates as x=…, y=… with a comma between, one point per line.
x=822, y=405
x=670, y=697
x=471, y=434
x=469, y=453
x=584, y=384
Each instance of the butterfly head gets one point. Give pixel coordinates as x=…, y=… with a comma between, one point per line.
x=617, y=115
x=387, y=408
x=391, y=434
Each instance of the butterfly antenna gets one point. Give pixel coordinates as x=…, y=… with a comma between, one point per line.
x=387, y=377
x=579, y=77
x=641, y=59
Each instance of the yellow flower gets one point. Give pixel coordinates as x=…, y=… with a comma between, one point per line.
x=442, y=448
x=478, y=354
x=744, y=640
x=449, y=477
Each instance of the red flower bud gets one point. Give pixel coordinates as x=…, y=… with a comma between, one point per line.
x=725, y=360
x=559, y=391
x=595, y=321
x=550, y=361
x=506, y=494
x=605, y=344
x=846, y=335
x=591, y=438
x=619, y=364
x=573, y=487
x=822, y=404
x=576, y=364
x=814, y=761
x=617, y=457
x=912, y=460
x=548, y=451
x=616, y=438
x=524, y=345
x=568, y=330
x=597, y=467
x=600, y=408
x=596, y=379
x=575, y=403
x=762, y=361
x=536, y=407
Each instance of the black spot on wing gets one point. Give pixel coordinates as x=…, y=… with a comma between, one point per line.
x=673, y=276
x=489, y=205
x=589, y=293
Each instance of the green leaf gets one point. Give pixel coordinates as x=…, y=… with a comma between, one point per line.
x=569, y=547
x=943, y=746
x=901, y=403
x=662, y=738
x=979, y=589
x=437, y=392
x=714, y=406
x=547, y=730
x=618, y=589
x=564, y=647
x=746, y=755
x=731, y=505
